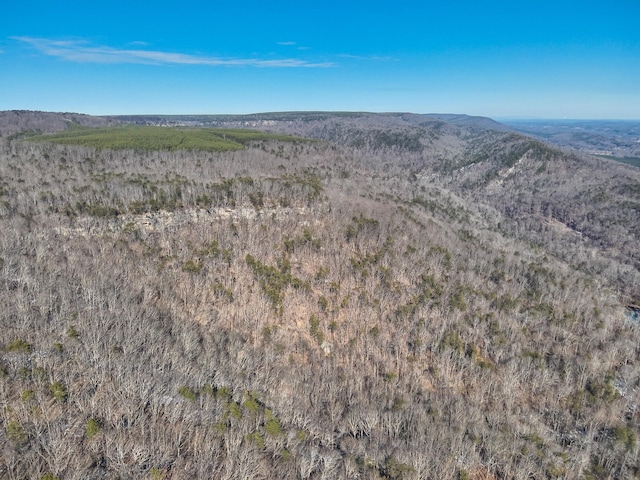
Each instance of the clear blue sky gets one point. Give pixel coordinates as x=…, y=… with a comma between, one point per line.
x=544, y=59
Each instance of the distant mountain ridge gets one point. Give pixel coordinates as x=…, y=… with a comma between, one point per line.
x=388, y=118
x=15, y=121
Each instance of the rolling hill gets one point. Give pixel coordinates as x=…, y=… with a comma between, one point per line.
x=405, y=297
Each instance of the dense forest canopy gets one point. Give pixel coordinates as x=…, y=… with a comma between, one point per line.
x=135, y=137
x=411, y=297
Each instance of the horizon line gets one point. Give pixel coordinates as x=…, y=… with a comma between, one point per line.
x=497, y=118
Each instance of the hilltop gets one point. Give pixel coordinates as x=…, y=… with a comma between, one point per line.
x=24, y=121
x=404, y=297
x=617, y=139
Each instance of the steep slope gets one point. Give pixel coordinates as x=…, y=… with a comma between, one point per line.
x=471, y=121
x=583, y=209
x=574, y=205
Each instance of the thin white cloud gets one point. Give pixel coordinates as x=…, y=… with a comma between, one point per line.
x=81, y=52
x=374, y=57
x=293, y=44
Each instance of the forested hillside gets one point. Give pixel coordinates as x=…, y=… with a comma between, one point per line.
x=408, y=298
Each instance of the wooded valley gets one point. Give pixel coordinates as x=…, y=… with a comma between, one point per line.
x=352, y=296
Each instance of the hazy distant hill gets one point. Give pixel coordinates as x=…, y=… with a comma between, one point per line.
x=614, y=138
x=16, y=121
x=409, y=298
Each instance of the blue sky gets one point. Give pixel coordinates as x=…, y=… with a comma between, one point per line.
x=543, y=59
